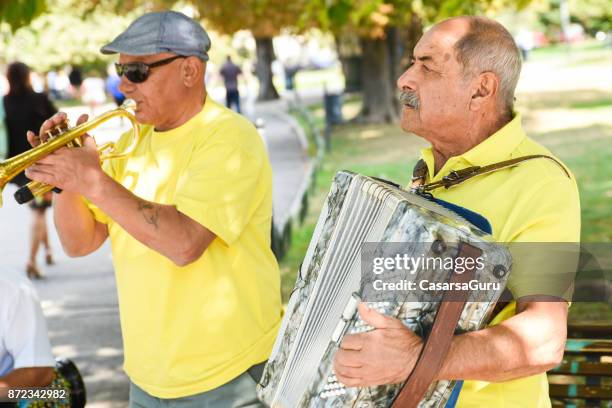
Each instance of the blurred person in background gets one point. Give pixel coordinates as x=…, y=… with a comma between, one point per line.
x=76, y=80
x=38, y=82
x=112, y=88
x=112, y=85
x=62, y=84
x=27, y=110
x=230, y=72
x=51, y=85
x=93, y=92
x=524, y=42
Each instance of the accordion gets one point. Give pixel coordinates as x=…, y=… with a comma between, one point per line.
x=365, y=215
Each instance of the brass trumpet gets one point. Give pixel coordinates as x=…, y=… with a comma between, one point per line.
x=62, y=136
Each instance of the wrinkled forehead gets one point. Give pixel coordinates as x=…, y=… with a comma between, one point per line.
x=439, y=41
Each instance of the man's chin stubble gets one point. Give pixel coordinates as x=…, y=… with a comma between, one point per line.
x=408, y=119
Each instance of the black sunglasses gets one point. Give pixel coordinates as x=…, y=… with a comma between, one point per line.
x=138, y=72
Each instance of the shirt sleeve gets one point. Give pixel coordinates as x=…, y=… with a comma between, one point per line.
x=221, y=188
x=27, y=340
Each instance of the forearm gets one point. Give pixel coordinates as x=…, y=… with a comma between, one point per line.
x=528, y=343
x=79, y=232
x=24, y=378
x=160, y=227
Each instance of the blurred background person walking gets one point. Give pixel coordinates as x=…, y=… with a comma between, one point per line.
x=76, y=80
x=112, y=85
x=230, y=72
x=25, y=111
x=112, y=88
x=93, y=92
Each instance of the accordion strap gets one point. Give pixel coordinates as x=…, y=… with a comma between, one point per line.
x=419, y=173
x=438, y=342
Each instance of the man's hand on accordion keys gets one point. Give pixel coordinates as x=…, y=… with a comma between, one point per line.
x=385, y=355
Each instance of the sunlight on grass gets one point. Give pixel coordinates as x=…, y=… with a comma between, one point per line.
x=370, y=134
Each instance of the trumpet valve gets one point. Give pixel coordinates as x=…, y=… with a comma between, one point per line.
x=56, y=130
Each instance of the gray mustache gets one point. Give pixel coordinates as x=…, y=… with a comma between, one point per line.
x=410, y=98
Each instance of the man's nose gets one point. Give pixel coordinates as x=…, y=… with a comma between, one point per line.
x=407, y=81
x=126, y=86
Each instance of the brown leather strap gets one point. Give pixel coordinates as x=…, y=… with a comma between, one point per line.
x=438, y=342
x=459, y=176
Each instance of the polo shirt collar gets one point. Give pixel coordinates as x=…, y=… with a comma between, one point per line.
x=497, y=147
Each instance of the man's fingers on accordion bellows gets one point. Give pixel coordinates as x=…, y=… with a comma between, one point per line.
x=378, y=320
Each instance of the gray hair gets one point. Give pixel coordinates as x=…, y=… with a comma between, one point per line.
x=489, y=47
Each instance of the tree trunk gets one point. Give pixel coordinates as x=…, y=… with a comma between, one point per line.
x=401, y=42
x=379, y=102
x=263, y=68
x=349, y=54
x=411, y=34
x=396, y=48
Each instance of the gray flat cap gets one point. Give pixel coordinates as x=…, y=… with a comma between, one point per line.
x=161, y=31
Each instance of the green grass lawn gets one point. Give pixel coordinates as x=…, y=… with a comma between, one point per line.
x=585, y=145
x=586, y=52
x=330, y=78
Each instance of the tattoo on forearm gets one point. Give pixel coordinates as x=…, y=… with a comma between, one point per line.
x=150, y=212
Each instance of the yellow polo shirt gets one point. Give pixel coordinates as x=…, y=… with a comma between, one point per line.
x=532, y=202
x=190, y=329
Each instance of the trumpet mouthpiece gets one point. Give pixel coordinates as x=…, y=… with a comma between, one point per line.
x=128, y=104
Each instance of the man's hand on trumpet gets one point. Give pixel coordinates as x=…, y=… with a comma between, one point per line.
x=74, y=169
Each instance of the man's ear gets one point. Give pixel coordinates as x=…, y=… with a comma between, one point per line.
x=192, y=71
x=485, y=89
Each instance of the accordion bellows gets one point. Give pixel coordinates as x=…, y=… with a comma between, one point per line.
x=361, y=210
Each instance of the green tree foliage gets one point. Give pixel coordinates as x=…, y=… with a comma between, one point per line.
x=384, y=33
x=18, y=13
x=70, y=31
x=264, y=18
x=64, y=35
x=593, y=15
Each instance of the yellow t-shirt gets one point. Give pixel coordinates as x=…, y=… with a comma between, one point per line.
x=190, y=329
x=533, y=202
